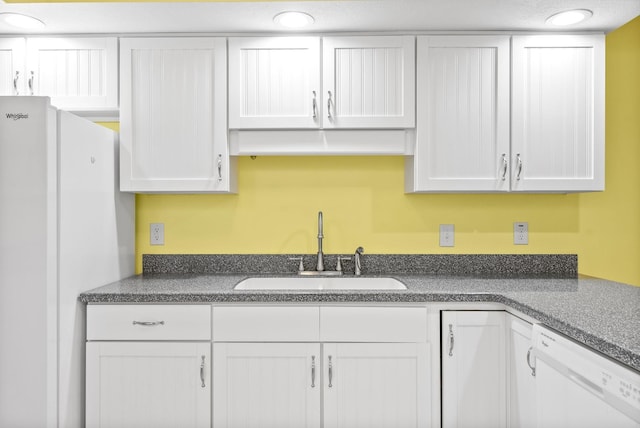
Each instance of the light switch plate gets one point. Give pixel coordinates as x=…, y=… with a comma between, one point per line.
x=521, y=233
x=446, y=235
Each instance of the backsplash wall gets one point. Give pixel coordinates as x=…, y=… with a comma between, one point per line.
x=362, y=198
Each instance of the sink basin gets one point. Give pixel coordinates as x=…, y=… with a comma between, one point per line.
x=320, y=283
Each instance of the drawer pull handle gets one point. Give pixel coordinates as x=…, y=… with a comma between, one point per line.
x=330, y=372
x=313, y=371
x=451, y=340
x=148, y=323
x=202, y=372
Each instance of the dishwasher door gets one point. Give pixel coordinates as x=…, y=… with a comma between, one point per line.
x=577, y=387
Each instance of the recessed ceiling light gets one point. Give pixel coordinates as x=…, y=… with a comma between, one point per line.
x=569, y=17
x=19, y=20
x=293, y=19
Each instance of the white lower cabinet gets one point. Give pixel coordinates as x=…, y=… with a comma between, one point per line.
x=284, y=384
x=305, y=375
x=473, y=369
x=376, y=385
x=155, y=384
x=522, y=381
x=148, y=366
x=266, y=385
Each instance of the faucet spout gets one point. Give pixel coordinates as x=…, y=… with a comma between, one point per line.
x=320, y=265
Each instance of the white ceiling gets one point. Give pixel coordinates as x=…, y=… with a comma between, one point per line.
x=330, y=16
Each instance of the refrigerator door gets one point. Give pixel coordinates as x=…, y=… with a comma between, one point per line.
x=28, y=271
x=96, y=243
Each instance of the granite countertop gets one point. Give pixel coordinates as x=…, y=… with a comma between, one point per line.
x=603, y=315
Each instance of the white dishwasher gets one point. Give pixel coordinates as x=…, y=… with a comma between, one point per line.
x=577, y=387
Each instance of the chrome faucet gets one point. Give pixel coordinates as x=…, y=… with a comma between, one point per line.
x=320, y=265
x=357, y=262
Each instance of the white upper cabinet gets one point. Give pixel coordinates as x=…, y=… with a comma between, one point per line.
x=464, y=142
x=79, y=74
x=462, y=115
x=369, y=82
x=274, y=82
x=174, y=116
x=12, y=66
x=558, y=113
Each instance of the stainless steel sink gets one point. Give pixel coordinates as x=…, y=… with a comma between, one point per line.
x=320, y=283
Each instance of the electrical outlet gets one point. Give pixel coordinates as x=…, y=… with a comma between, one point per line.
x=446, y=235
x=156, y=234
x=521, y=233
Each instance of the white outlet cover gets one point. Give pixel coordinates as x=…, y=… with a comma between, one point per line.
x=521, y=233
x=447, y=235
x=156, y=234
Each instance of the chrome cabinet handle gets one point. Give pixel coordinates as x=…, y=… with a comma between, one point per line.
x=15, y=83
x=505, y=166
x=451, y=340
x=329, y=105
x=219, y=167
x=313, y=371
x=202, y=372
x=31, y=83
x=533, y=369
x=330, y=372
x=315, y=105
x=519, y=160
x=148, y=323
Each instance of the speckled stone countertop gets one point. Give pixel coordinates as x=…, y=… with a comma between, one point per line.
x=601, y=314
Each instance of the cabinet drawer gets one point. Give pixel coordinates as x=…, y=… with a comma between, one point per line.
x=373, y=324
x=149, y=322
x=265, y=324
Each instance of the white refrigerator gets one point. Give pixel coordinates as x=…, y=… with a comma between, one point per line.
x=64, y=228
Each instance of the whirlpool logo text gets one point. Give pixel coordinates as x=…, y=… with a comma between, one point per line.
x=17, y=116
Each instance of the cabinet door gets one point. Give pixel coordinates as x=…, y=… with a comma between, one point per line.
x=462, y=114
x=369, y=82
x=148, y=384
x=173, y=115
x=12, y=66
x=376, y=385
x=274, y=82
x=266, y=385
x=77, y=73
x=522, y=386
x=558, y=113
x=473, y=369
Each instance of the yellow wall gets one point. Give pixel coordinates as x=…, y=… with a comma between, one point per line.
x=364, y=204
x=610, y=221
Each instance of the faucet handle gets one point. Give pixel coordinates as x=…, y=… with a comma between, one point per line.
x=301, y=264
x=339, y=263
